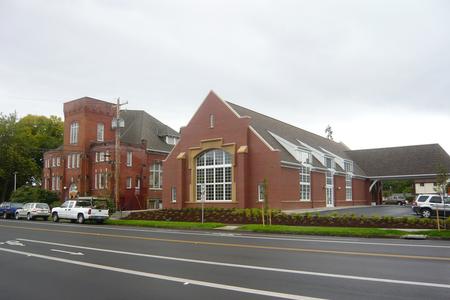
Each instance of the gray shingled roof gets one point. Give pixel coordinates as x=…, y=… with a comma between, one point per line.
x=139, y=126
x=263, y=124
x=407, y=160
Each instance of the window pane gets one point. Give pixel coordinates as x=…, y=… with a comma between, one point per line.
x=219, y=192
x=228, y=174
x=200, y=175
x=201, y=160
x=227, y=158
x=219, y=175
x=219, y=157
x=209, y=175
x=209, y=158
x=210, y=192
x=227, y=192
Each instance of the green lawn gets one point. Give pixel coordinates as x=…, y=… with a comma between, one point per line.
x=341, y=231
x=165, y=224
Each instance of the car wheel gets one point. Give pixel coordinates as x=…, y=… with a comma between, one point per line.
x=80, y=218
x=55, y=217
x=29, y=217
x=426, y=212
x=17, y=216
x=5, y=215
x=399, y=203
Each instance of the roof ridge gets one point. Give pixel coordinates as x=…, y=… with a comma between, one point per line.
x=324, y=138
x=398, y=147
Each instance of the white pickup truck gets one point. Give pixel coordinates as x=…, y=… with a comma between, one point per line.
x=80, y=210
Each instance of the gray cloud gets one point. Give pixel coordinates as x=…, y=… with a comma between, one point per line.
x=382, y=66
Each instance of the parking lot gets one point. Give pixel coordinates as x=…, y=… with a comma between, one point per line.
x=379, y=210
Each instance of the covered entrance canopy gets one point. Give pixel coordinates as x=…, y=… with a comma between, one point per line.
x=422, y=162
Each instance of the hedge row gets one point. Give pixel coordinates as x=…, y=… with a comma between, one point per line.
x=254, y=216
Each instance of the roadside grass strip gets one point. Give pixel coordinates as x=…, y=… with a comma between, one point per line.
x=165, y=224
x=340, y=231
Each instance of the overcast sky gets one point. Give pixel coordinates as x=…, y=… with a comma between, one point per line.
x=377, y=71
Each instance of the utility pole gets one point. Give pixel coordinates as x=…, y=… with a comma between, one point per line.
x=117, y=124
x=15, y=181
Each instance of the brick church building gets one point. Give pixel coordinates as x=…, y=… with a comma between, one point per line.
x=84, y=164
x=230, y=156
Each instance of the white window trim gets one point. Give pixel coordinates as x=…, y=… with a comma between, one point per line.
x=305, y=183
x=129, y=183
x=74, y=128
x=129, y=158
x=100, y=132
x=156, y=171
x=173, y=193
x=260, y=186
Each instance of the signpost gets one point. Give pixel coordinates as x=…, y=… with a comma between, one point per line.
x=203, y=198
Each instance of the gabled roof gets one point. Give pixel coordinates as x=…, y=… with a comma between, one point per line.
x=139, y=126
x=401, y=161
x=267, y=126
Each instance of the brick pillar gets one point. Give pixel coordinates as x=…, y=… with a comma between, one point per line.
x=241, y=177
x=181, y=186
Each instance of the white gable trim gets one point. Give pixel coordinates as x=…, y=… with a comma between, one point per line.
x=320, y=156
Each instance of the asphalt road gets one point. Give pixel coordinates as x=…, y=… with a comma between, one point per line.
x=43, y=260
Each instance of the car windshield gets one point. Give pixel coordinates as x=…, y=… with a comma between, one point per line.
x=17, y=205
x=101, y=204
x=422, y=198
x=42, y=206
x=83, y=204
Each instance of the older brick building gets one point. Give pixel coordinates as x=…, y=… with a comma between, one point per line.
x=231, y=156
x=84, y=164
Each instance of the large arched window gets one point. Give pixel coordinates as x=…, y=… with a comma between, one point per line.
x=214, y=175
x=74, y=132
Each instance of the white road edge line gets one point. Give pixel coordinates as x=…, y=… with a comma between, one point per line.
x=352, y=277
x=164, y=277
x=245, y=236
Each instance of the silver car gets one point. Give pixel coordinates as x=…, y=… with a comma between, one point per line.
x=33, y=210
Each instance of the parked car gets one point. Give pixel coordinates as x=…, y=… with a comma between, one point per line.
x=396, y=199
x=81, y=210
x=8, y=209
x=426, y=205
x=32, y=211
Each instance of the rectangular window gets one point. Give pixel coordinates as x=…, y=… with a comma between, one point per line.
x=138, y=183
x=96, y=180
x=129, y=182
x=97, y=156
x=305, y=183
x=68, y=161
x=101, y=157
x=348, y=187
x=53, y=162
x=129, y=158
x=74, y=132
x=261, y=192
x=174, y=194
x=58, y=161
x=78, y=160
x=348, y=165
x=100, y=132
x=74, y=161
x=156, y=176
x=329, y=162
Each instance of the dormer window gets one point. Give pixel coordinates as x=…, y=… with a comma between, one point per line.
x=348, y=166
x=305, y=157
x=329, y=163
x=171, y=140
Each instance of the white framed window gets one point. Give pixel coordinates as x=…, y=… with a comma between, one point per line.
x=97, y=156
x=261, y=192
x=129, y=158
x=96, y=180
x=69, y=161
x=348, y=187
x=173, y=192
x=101, y=157
x=74, y=161
x=155, y=176
x=53, y=162
x=138, y=183
x=78, y=160
x=329, y=162
x=348, y=166
x=58, y=161
x=214, y=170
x=74, y=127
x=100, y=132
x=305, y=183
x=129, y=182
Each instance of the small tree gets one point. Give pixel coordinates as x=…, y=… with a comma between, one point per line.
x=441, y=188
x=33, y=194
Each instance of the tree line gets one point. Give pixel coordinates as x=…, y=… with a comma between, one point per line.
x=23, y=142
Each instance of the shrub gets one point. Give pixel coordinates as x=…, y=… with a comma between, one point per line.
x=33, y=194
